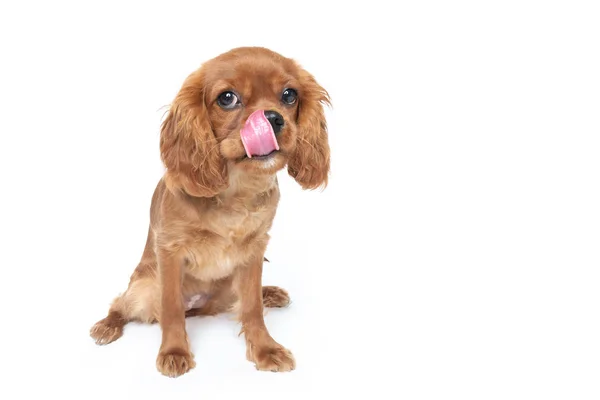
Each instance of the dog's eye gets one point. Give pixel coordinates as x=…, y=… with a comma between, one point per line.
x=289, y=96
x=228, y=100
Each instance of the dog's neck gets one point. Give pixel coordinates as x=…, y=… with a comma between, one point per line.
x=244, y=185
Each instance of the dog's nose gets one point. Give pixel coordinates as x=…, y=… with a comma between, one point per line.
x=276, y=120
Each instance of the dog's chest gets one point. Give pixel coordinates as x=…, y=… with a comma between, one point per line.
x=227, y=242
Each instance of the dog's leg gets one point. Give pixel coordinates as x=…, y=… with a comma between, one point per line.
x=108, y=329
x=274, y=296
x=138, y=303
x=266, y=353
x=174, y=357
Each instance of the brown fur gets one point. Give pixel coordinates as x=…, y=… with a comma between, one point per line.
x=212, y=210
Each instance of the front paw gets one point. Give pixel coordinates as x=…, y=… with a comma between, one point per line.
x=275, y=358
x=175, y=362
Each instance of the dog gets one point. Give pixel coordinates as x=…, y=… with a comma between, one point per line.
x=236, y=121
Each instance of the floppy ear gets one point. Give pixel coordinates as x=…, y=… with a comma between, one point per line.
x=309, y=164
x=188, y=147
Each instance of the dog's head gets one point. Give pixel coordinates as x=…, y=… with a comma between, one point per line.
x=249, y=108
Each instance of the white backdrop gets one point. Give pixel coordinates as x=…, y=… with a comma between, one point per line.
x=454, y=254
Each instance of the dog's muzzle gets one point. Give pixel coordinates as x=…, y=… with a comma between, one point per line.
x=259, y=132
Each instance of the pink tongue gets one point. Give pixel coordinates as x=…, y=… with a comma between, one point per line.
x=258, y=136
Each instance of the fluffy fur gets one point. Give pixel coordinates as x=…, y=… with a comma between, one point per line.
x=211, y=212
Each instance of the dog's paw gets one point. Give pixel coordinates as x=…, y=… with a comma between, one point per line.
x=105, y=332
x=274, y=296
x=175, y=362
x=271, y=358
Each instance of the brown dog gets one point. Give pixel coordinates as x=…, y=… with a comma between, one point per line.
x=236, y=121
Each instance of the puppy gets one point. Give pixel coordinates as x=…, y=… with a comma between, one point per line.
x=236, y=121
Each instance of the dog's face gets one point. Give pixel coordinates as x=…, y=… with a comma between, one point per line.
x=202, y=135
x=238, y=86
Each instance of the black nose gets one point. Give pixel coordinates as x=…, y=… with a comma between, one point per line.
x=276, y=120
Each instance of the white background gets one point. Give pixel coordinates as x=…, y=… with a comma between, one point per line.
x=455, y=254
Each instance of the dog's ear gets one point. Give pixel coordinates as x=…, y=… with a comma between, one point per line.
x=188, y=147
x=309, y=164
